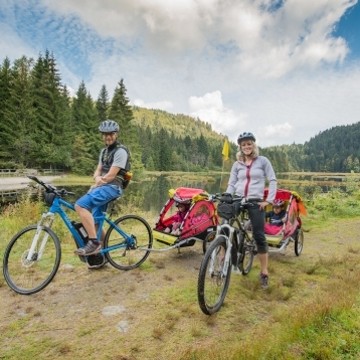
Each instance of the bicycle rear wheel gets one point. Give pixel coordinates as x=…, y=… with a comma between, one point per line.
x=213, y=281
x=246, y=260
x=26, y=276
x=130, y=251
x=299, y=241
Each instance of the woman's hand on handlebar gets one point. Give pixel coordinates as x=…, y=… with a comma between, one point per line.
x=263, y=204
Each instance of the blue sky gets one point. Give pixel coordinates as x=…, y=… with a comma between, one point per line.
x=349, y=28
x=283, y=69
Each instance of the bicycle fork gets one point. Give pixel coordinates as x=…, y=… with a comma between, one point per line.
x=227, y=259
x=46, y=220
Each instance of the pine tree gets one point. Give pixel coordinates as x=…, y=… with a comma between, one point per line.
x=120, y=109
x=52, y=117
x=164, y=151
x=85, y=124
x=121, y=112
x=102, y=104
x=20, y=115
x=5, y=127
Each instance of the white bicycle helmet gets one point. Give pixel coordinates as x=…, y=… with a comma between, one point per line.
x=109, y=126
x=246, y=136
x=278, y=202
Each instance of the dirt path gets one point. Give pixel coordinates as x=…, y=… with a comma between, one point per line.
x=149, y=313
x=19, y=182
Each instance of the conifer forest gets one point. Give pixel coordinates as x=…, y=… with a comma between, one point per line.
x=43, y=127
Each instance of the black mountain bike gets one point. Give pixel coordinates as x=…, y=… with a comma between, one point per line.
x=232, y=246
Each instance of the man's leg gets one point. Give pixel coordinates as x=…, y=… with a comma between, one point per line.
x=93, y=246
x=87, y=220
x=95, y=200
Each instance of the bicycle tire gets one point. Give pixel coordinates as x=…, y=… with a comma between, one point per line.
x=212, y=235
x=299, y=241
x=246, y=255
x=128, y=256
x=212, y=285
x=208, y=239
x=29, y=277
x=235, y=223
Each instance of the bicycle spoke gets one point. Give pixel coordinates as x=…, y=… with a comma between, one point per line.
x=128, y=252
x=26, y=271
x=213, y=279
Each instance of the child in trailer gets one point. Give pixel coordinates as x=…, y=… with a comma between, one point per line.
x=178, y=218
x=276, y=218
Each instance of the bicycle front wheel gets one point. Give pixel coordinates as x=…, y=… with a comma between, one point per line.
x=214, y=278
x=126, y=252
x=28, y=276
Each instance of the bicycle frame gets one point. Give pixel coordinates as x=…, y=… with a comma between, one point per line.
x=37, y=246
x=48, y=218
x=237, y=237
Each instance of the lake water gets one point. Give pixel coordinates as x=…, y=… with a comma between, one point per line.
x=152, y=193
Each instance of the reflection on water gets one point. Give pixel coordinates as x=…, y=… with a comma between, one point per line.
x=156, y=193
x=151, y=195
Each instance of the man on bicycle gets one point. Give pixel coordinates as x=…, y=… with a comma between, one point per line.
x=109, y=178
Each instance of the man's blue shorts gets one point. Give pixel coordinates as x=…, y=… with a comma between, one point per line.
x=96, y=199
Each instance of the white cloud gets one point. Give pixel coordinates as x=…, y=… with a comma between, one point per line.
x=14, y=47
x=278, y=72
x=210, y=108
x=278, y=131
x=162, y=105
x=267, y=43
x=285, y=111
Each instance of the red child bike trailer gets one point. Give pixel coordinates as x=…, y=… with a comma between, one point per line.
x=291, y=231
x=198, y=224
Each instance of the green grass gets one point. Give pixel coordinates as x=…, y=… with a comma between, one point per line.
x=311, y=310
x=323, y=326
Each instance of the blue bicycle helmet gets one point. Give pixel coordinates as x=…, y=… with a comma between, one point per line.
x=109, y=126
x=246, y=136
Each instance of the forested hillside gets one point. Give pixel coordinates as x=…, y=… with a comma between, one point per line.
x=178, y=124
x=42, y=126
x=333, y=150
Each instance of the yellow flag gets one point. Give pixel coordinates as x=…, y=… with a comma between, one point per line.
x=225, y=150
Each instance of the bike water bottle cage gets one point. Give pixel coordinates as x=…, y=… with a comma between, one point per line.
x=81, y=230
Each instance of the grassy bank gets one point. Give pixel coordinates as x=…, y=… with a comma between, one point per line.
x=310, y=311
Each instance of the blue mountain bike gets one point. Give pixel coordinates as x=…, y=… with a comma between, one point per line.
x=33, y=255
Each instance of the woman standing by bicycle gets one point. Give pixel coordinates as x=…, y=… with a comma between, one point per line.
x=248, y=178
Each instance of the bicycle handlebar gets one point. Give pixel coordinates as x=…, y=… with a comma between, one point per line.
x=50, y=188
x=226, y=198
